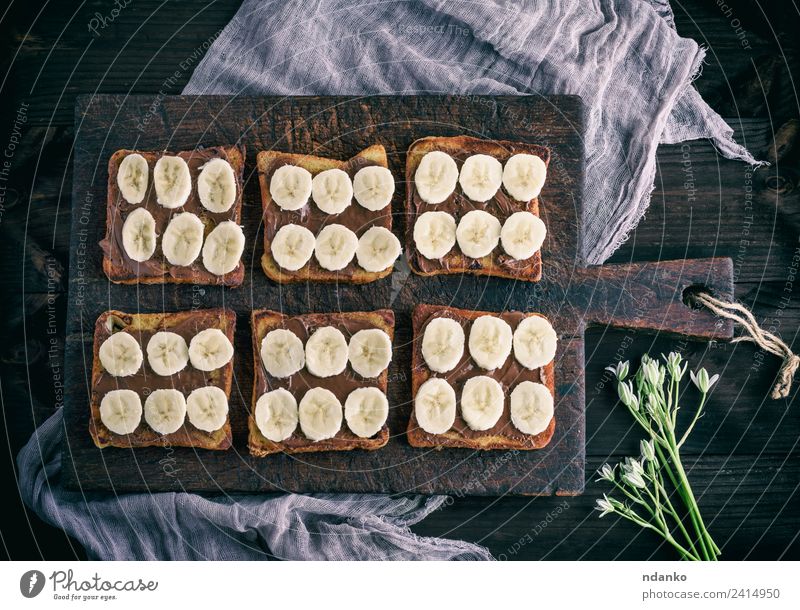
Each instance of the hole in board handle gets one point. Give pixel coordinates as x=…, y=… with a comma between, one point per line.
x=690, y=293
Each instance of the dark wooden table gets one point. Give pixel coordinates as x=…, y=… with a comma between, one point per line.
x=743, y=455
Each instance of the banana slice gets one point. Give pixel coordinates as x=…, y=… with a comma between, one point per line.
x=435, y=406
x=326, y=352
x=207, y=408
x=434, y=234
x=531, y=407
x=183, y=239
x=482, y=402
x=370, y=352
x=373, y=187
x=378, y=248
x=481, y=177
x=292, y=247
x=121, y=355
x=290, y=187
x=489, y=342
x=522, y=235
x=366, y=410
x=167, y=353
x=121, y=411
x=210, y=349
x=332, y=191
x=223, y=248
x=165, y=410
x=276, y=415
x=478, y=233
x=282, y=353
x=335, y=247
x=139, y=235
x=173, y=181
x=320, y=414
x=133, y=176
x=524, y=176
x=443, y=344
x=436, y=177
x=535, y=342
x=216, y=186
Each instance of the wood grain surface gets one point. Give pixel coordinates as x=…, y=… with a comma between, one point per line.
x=643, y=296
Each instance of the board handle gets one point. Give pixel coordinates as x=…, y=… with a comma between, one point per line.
x=656, y=296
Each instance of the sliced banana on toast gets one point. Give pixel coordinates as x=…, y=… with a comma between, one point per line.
x=524, y=176
x=443, y=344
x=223, y=248
x=480, y=177
x=326, y=352
x=482, y=401
x=165, y=410
x=435, y=406
x=216, y=186
x=366, y=411
x=434, y=234
x=207, y=408
x=120, y=355
x=436, y=177
x=522, y=235
x=370, y=352
x=133, y=178
x=173, y=181
x=490, y=340
x=531, y=407
x=377, y=250
x=276, y=415
x=373, y=187
x=290, y=187
x=478, y=233
x=121, y=411
x=292, y=247
x=320, y=414
x=335, y=247
x=282, y=353
x=332, y=191
x=139, y=235
x=183, y=239
x=167, y=353
x=210, y=349
x=535, y=342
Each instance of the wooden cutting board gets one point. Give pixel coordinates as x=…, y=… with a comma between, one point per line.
x=640, y=295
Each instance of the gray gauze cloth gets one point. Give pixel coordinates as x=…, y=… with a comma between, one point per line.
x=188, y=526
x=624, y=58
x=633, y=72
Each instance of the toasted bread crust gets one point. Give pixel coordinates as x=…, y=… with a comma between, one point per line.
x=119, y=274
x=453, y=438
x=264, y=320
x=455, y=262
x=373, y=155
x=144, y=436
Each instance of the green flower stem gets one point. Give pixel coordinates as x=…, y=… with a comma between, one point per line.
x=694, y=420
x=659, y=481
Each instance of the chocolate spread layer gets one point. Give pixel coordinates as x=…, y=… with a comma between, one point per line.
x=118, y=210
x=511, y=374
x=355, y=217
x=501, y=206
x=145, y=380
x=298, y=384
